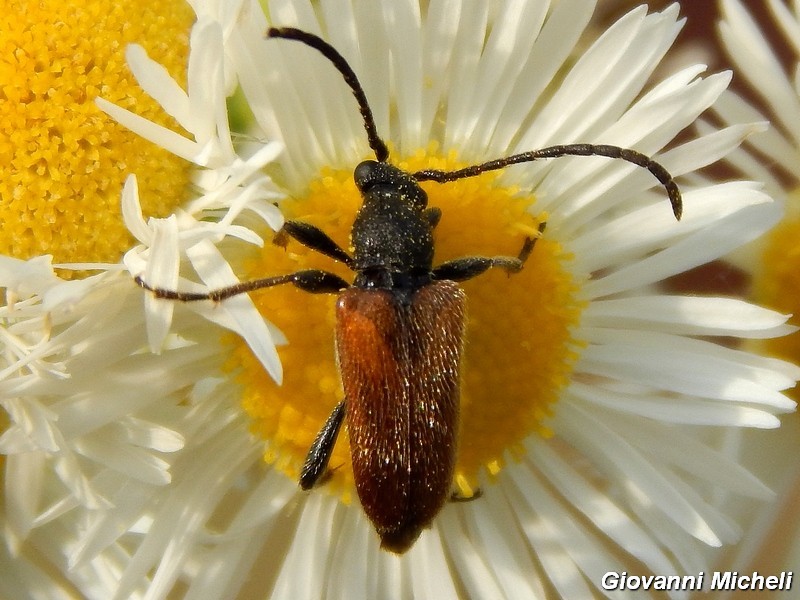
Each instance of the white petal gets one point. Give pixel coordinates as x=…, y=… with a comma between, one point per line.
x=161, y=272
x=159, y=85
x=516, y=30
x=27, y=277
x=128, y=460
x=598, y=507
x=216, y=273
x=788, y=23
x=159, y=135
x=696, y=249
x=684, y=365
x=310, y=539
x=732, y=108
x=405, y=50
x=427, y=562
x=132, y=211
x=568, y=554
x=207, y=89
x=758, y=64
x=676, y=409
x=687, y=315
x=495, y=529
x=644, y=231
x=678, y=448
x=632, y=470
x=475, y=571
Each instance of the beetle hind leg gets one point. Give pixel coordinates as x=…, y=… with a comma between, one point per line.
x=316, y=463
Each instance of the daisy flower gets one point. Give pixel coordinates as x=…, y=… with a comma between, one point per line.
x=772, y=156
x=767, y=58
x=64, y=161
x=590, y=402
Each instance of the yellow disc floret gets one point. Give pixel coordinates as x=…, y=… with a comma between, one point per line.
x=518, y=352
x=63, y=161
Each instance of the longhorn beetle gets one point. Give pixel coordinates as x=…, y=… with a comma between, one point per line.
x=399, y=325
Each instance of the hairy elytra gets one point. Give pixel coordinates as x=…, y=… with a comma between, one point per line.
x=399, y=325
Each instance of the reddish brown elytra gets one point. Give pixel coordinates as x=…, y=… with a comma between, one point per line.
x=399, y=326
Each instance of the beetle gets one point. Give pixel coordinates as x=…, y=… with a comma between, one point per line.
x=399, y=325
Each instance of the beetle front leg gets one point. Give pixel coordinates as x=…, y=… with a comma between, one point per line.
x=314, y=281
x=468, y=267
x=314, y=238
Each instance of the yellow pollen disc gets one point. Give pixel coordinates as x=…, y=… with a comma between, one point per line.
x=63, y=161
x=518, y=348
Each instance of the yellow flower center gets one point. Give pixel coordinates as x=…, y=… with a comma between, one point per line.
x=518, y=348
x=63, y=161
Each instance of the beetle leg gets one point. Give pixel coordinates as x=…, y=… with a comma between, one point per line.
x=468, y=267
x=320, y=452
x=312, y=280
x=457, y=497
x=314, y=238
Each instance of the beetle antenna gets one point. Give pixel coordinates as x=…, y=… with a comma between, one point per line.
x=329, y=52
x=632, y=156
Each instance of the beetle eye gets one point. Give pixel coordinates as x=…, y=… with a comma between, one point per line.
x=365, y=174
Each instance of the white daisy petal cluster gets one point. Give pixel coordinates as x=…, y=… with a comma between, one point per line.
x=759, y=64
x=94, y=425
x=766, y=54
x=95, y=421
x=228, y=186
x=133, y=474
